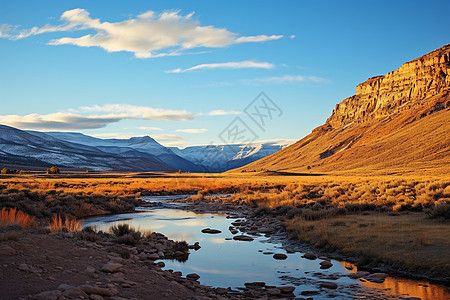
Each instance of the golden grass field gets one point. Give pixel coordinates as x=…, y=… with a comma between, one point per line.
x=402, y=221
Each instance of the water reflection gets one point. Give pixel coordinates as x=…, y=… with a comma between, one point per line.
x=403, y=287
x=227, y=263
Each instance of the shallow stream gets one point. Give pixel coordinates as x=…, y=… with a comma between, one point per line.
x=224, y=262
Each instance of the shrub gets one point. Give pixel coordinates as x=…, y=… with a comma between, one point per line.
x=8, y=171
x=126, y=234
x=13, y=216
x=69, y=224
x=88, y=234
x=53, y=170
x=440, y=211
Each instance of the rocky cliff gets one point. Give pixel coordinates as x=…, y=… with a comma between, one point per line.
x=408, y=86
x=396, y=123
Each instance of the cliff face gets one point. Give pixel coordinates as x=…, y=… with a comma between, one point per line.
x=394, y=123
x=408, y=86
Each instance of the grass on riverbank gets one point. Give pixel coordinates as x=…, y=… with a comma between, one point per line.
x=411, y=241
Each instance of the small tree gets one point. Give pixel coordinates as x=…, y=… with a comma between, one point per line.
x=4, y=171
x=53, y=170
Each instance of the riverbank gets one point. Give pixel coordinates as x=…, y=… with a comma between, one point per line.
x=40, y=265
x=406, y=244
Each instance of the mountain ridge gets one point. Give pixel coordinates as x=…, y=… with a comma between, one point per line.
x=398, y=122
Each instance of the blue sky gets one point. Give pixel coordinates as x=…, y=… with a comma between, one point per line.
x=182, y=72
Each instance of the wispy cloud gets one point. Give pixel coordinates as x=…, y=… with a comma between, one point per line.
x=150, y=128
x=247, y=64
x=285, y=79
x=220, y=112
x=99, y=116
x=148, y=35
x=57, y=121
x=147, y=113
x=200, y=130
x=172, y=140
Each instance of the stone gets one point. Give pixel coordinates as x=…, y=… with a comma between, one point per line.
x=63, y=287
x=153, y=256
x=221, y=291
x=310, y=256
x=95, y=297
x=265, y=230
x=280, y=256
x=88, y=289
x=112, y=267
x=48, y=295
x=273, y=292
x=309, y=293
x=90, y=269
x=211, y=231
x=75, y=293
x=286, y=289
x=161, y=264
x=243, y=238
x=6, y=250
x=359, y=274
x=328, y=285
x=193, y=276
x=24, y=267
x=325, y=264
x=255, y=284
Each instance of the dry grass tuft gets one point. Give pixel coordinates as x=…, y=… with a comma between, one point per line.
x=15, y=217
x=69, y=224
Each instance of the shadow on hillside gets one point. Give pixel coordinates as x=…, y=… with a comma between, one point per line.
x=283, y=173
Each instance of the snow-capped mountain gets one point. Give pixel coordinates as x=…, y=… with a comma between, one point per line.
x=18, y=147
x=135, y=146
x=219, y=158
x=69, y=149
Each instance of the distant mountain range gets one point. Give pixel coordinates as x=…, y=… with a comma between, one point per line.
x=396, y=123
x=24, y=149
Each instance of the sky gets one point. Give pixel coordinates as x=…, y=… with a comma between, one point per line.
x=191, y=72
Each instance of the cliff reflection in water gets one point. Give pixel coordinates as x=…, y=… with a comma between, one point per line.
x=404, y=287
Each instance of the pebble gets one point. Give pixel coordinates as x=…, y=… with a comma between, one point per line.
x=211, y=231
x=112, y=267
x=49, y=295
x=286, y=289
x=280, y=256
x=74, y=293
x=325, y=264
x=193, y=276
x=310, y=256
x=7, y=251
x=243, y=238
x=88, y=289
x=328, y=285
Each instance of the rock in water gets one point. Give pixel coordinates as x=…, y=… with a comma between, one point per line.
x=280, y=256
x=243, y=238
x=211, y=231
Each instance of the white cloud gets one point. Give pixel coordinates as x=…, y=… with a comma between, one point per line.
x=171, y=140
x=200, y=130
x=247, y=64
x=150, y=128
x=292, y=36
x=147, y=113
x=57, y=121
x=148, y=35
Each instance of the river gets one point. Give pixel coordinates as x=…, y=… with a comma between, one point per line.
x=222, y=261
